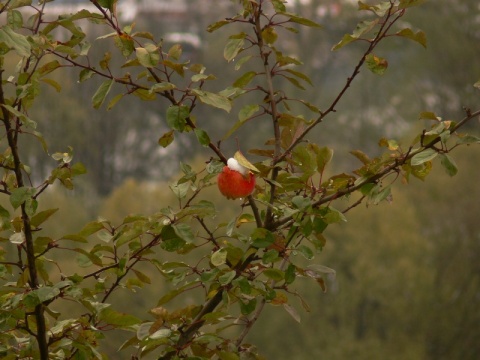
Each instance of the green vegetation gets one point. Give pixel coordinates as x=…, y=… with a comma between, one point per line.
x=132, y=252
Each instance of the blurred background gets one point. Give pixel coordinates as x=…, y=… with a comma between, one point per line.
x=407, y=282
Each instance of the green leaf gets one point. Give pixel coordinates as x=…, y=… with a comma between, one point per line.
x=125, y=43
x=262, y=238
x=217, y=25
x=332, y=216
x=107, y=4
x=379, y=9
x=305, y=251
x=323, y=156
x=202, y=137
x=42, y=216
x=234, y=46
x=448, y=164
x=180, y=189
x=86, y=259
x=379, y=193
x=245, y=79
x=227, y=278
x=25, y=119
x=171, y=244
x=300, y=75
x=49, y=67
x=360, y=155
x=301, y=20
x=21, y=195
x=245, y=113
x=40, y=295
x=219, y=257
x=184, y=232
x=212, y=99
x=175, y=52
x=409, y=3
x=274, y=274
x=202, y=209
x=202, y=77
x=468, y=139
x=114, y=101
x=295, y=82
x=4, y=213
x=178, y=68
x=428, y=115
x=424, y=156
x=128, y=235
x=290, y=274
x=166, y=139
x=101, y=93
x=300, y=202
x=142, y=277
x=118, y=319
x=270, y=256
x=362, y=28
x=16, y=41
x=177, y=117
x=85, y=74
x=242, y=61
x=243, y=284
x=246, y=308
x=148, y=56
x=376, y=64
x=419, y=36
x=161, y=87
x=15, y=19
x=234, y=255
x=347, y=39
x=91, y=228
x=52, y=83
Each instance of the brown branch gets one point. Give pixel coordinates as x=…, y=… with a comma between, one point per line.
x=264, y=55
x=259, y=309
x=33, y=280
x=373, y=43
x=391, y=168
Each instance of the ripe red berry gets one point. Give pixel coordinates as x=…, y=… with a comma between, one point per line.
x=235, y=181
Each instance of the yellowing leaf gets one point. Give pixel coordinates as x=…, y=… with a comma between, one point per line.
x=242, y=160
x=419, y=36
x=269, y=35
x=376, y=64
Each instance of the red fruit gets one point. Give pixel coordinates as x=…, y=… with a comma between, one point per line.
x=234, y=185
